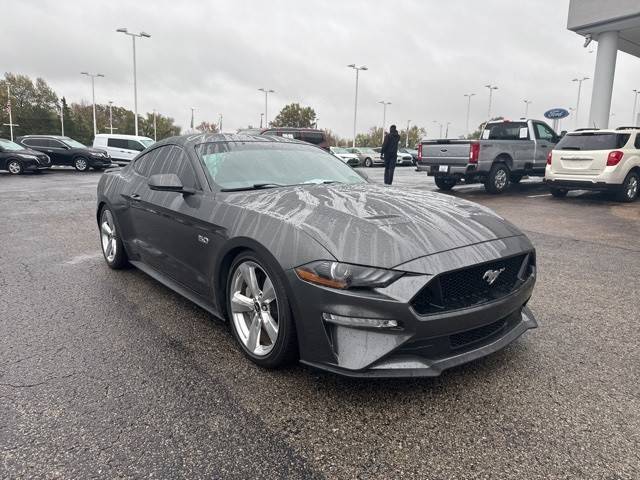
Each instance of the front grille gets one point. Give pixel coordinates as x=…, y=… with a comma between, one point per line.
x=469, y=337
x=470, y=286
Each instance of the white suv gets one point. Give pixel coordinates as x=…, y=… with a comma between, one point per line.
x=596, y=160
x=122, y=148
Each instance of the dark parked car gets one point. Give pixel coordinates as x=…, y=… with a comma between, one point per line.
x=308, y=260
x=67, y=151
x=17, y=159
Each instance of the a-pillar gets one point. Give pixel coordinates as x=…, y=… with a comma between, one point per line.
x=603, y=79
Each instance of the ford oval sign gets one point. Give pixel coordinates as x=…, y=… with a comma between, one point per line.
x=556, y=113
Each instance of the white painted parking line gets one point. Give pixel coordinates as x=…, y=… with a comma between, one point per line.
x=536, y=196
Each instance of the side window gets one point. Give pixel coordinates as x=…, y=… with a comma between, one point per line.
x=134, y=145
x=143, y=163
x=172, y=159
x=36, y=142
x=543, y=132
x=116, y=143
x=54, y=144
x=637, y=144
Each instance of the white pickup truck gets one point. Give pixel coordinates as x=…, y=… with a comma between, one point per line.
x=506, y=151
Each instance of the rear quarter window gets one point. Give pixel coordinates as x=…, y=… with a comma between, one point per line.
x=593, y=141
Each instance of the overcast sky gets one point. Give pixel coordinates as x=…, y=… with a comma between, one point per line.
x=423, y=55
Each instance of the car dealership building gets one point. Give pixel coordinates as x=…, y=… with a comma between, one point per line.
x=615, y=25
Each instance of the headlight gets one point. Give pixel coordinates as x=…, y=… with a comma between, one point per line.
x=344, y=275
x=30, y=157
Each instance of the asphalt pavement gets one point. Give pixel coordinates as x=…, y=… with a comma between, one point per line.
x=108, y=374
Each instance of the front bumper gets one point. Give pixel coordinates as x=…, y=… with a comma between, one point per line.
x=421, y=345
x=99, y=162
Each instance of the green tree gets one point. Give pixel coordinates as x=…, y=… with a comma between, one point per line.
x=164, y=126
x=207, y=127
x=293, y=115
x=415, y=135
x=373, y=138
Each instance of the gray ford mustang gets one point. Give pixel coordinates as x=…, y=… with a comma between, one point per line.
x=307, y=260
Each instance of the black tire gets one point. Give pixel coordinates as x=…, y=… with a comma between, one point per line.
x=498, y=179
x=285, y=348
x=445, y=183
x=15, y=167
x=368, y=162
x=559, y=192
x=81, y=164
x=515, y=178
x=630, y=187
x=120, y=259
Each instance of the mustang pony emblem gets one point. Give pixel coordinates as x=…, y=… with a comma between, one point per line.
x=491, y=276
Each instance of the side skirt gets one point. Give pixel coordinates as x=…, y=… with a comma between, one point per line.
x=178, y=288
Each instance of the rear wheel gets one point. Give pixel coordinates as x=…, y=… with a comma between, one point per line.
x=112, y=247
x=368, y=162
x=444, y=183
x=498, y=179
x=259, y=312
x=559, y=192
x=15, y=167
x=630, y=188
x=81, y=164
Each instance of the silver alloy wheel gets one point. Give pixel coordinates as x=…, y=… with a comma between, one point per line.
x=15, y=167
x=368, y=163
x=632, y=188
x=500, y=180
x=254, y=308
x=108, y=236
x=80, y=164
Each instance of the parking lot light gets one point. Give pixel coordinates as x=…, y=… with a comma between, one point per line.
x=526, y=107
x=579, y=81
x=468, y=95
x=355, y=109
x=491, y=89
x=266, y=104
x=135, y=79
x=384, y=115
x=93, y=96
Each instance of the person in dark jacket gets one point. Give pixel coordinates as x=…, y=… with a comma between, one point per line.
x=389, y=153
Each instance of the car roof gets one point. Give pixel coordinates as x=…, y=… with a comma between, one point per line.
x=122, y=136
x=608, y=130
x=196, y=139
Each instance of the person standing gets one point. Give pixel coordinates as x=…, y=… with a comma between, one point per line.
x=389, y=153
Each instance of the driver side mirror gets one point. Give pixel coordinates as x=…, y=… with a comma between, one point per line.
x=168, y=182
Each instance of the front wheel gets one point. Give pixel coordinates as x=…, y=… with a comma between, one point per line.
x=444, y=183
x=498, y=179
x=259, y=312
x=15, y=167
x=112, y=247
x=368, y=162
x=629, y=190
x=81, y=164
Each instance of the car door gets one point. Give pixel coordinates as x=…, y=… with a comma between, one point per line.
x=134, y=147
x=39, y=145
x=59, y=152
x=116, y=148
x=546, y=139
x=169, y=235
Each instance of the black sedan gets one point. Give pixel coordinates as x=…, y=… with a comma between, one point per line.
x=67, y=151
x=17, y=159
x=307, y=260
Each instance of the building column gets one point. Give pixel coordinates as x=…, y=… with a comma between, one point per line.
x=603, y=80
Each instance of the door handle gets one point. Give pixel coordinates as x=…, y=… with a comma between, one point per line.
x=135, y=196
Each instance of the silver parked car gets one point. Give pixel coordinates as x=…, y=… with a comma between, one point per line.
x=367, y=155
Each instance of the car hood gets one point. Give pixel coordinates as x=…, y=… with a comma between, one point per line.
x=380, y=226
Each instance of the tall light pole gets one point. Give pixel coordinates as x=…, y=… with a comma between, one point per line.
x=135, y=75
x=440, y=125
x=10, y=124
x=468, y=95
x=261, y=118
x=111, y=129
x=266, y=104
x=220, y=122
x=384, y=115
x=406, y=140
x=526, y=107
x=193, y=121
x=491, y=89
x=93, y=97
x=446, y=133
x=61, y=120
x=355, y=108
x=579, y=80
x=634, y=119
x=155, y=131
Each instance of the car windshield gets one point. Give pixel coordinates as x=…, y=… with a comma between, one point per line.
x=73, y=143
x=593, y=141
x=9, y=145
x=147, y=142
x=240, y=165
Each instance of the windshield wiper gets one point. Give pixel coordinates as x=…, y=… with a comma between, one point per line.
x=255, y=186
